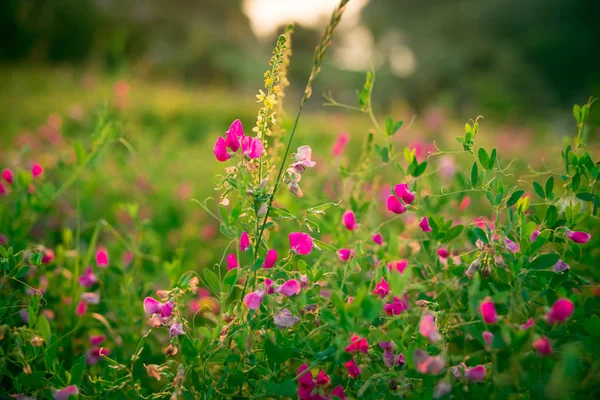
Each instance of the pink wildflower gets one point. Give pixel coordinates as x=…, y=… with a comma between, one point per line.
x=340, y=144
x=176, y=330
x=357, y=344
x=102, y=258
x=561, y=310
x=252, y=147
x=488, y=311
x=306, y=382
x=488, y=337
x=232, y=262
x=37, y=170
x=404, y=193
x=527, y=324
x=396, y=307
x=349, y=220
x=152, y=306
x=427, y=328
x=443, y=252
x=424, y=225
x=269, y=286
x=399, y=265
x=534, y=235
x=234, y=135
x=394, y=205
x=81, y=308
x=426, y=364
x=220, y=150
x=475, y=374
x=88, y=278
x=352, y=368
x=289, y=288
x=253, y=300
x=284, y=319
x=244, y=241
x=378, y=239
x=382, y=289
x=96, y=340
x=542, y=346
x=7, y=175
x=578, y=236
x=301, y=243
x=323, y=379
x=95, y=354
x=345, y=254
x=270, y=259
x=65, y=393
x=512, y=246
x=47, y=256
x=303, y=159
x=338, y=391
x=3, y=190
x=560, y=266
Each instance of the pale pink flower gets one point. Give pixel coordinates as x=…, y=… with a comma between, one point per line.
x=253, y=300
x=176, y=329
x=284, y=319
x=426, y=364
x=527, y=324
x=340, y=144
x=303, y=159
x=398, y=266
x=289, y=288
x=65, y=393
x=427, y=328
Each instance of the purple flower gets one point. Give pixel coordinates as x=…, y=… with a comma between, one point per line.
x=578, y=237
x=88, y=278
x=176, y=329
x=534, y=235
x=284, y=319
x=65, y=393
x=512, y=246
x=303, y=159
x=560, y=266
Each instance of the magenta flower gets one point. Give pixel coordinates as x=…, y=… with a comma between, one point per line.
x=475, y=374
x=378, y=239
x=398, y=266
x=244, y=241
x=81, y=308
x=394, y=205
x=176, y=329
x=3, y=190
x=220, y=150
x=7, y=175
x=352, y=368
x=252, y=147
x=424, y=225
x=269, y=286
x=427, y=328
x=560, y=266
x=284, y=319
x=166, y=309
x=47, y=256
x=306, y=382
x=65, y=393
x=301, y=242
x=289, y=288
x=534, y=235
x=152, y=306
x=488, y=311
x=542, y=346
x=349, y=220
x=396, y=307
x=426, y=364
x=231, y=261
x=561, y=310
x=37, y=170
x=234, y=135
x=527, y=324
x=345, y=254
x=323, y=379
x=488, y=337
x=102, y=258
x=88, y=278
x=338, y=392
x=406, y=195
x=512, y=246
x=253, y=300
x=270, y=259
x=443, y=252
x=382, y=289
x=340, y=144
x=357, y=344
x=578, y=236
x=95, y=355
x=96, y=340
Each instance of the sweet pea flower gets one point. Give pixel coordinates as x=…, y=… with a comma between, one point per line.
x=220, y=150
x=340, y=144
x=561, y=310
x=301, y=243
x=512, y=246
x=352, y=368
x=427, y=328
x=475, y=374
x=349, y=220
x=102, y=258
x=357, y=344
x=560, y=266
x=244, y=241
x=534, y=235
x=270, y=259
x=378, y=239
x=394, y=205
x=338, y=392
x=542, y=346
x=488, y=337
x=252, y=147
x=382, y=289
x=396, y=307
x=252, y=300
x=345, y=254
x=88, y=278
x=152, y=306
x=404, y=193
x=234, y=135
x=442, y=389
x=176, y=330
x=95, y=355
x=398, y=266
x=47, y=256
x=269, y=286
x=488, y=311
x=390, y=359
x=426, y=364
x=7, y=175
x=302, y=159
x=37, y=170
x=81, y=308
x=578, y=236
x=289, y=288
x=284, y=319
x=443, y=252
x=3, y=190
x=306, y=383
x=323, y=379
x=527, y=324
x=65, y=393
x=90, y=297
x=95, y=340
x=231, y=262
x=424, y=225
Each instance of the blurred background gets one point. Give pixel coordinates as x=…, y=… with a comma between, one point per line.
x=170, y=76
x=503, y=58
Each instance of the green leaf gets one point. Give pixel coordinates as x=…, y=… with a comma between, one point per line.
x=452, y=234
x=323, y=246
x=551, y=216
x=549, y=186
x=282, y=213
x=592, y=325
x=484, y=158
x=212, y=280
x=474, y=174
x=539, y=190
x=320, y=209
x=419, y=169
x=585, y=196
x=515, y=197
x=492, y=159
x=481, y=235
x=230, y=279
x=77, y=371
x=544, y=261
x=44, y=327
